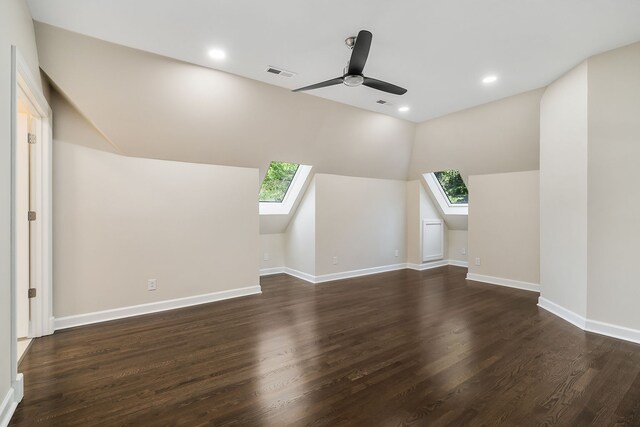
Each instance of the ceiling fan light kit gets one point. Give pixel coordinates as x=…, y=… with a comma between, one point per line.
x=353, y=75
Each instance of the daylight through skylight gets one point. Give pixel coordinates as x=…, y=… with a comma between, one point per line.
x=277, y=181
x=453, y=186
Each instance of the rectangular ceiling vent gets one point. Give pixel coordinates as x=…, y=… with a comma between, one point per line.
x=280, y=72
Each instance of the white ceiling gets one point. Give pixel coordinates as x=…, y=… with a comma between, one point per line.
x=438, y=49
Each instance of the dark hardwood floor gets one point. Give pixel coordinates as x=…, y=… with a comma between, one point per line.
x=399, y=348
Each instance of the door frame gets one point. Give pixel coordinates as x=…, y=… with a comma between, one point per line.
x=24, y=84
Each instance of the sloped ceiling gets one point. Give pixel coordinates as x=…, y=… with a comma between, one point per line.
x=156, y=107
x=69, y=126
x=438, y=49
x=502, y=136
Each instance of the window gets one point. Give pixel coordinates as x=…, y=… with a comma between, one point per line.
x=449, y=191
x=281, y=187
x=277, y=181
x=453, y=187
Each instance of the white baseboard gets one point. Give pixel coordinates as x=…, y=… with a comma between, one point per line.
x=10, y=401
x=366, y=271
x=272, y=270
x=563, y=313
x=614, y=331
x=300, y=275
x=7, y=408
x=153, y=307
x=427, y=265
x=357, y=273
x=534, y=287
x=459, y=263
x=342, y=275
x=595, y=326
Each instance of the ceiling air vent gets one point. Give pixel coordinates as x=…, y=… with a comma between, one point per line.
x=383, y=102
x=280, y=72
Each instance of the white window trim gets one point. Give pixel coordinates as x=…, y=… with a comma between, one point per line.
x=442, y=199
x=284, y=207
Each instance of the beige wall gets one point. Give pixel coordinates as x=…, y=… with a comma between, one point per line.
x=144, y=103
x=300, y=237
x=120, y=221
x=362, y=221
x=504, y=229
x=71, y=126
x=272, y=247
x=277, y=224
x=458, y=246
x=419, y=206
x=413, y=222
x=502, y=136
x=614, y=175
x=563, y=191
x=16, y=28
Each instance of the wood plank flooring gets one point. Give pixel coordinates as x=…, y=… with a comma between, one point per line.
x=399, y=348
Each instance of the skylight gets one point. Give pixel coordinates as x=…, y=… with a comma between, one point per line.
x=282, y=186
x=277, y=181
x=449, y=191
x=453, y=187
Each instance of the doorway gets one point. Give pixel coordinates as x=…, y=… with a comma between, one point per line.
x=31, y=226
x=27, y=125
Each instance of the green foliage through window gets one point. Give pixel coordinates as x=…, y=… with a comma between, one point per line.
x=277, y=181
x=453, y=186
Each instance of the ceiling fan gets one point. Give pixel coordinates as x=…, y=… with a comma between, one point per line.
x=353, y=76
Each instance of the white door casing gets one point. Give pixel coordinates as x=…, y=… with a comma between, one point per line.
x=24, y=85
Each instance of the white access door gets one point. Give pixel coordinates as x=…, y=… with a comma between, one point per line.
x=432, y=240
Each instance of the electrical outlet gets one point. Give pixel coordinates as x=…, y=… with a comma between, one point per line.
x=478, y=261
x=463, y=251
x=335, y=260
x=152, y=284
x=397, y=253
x=265, y=257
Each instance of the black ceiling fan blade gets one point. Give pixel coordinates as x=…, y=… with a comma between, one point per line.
x=384, y=86
x=360, y=53
x=331, y=82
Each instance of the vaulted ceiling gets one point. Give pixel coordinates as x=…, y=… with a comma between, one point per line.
x=438, y=49
x=150, y=106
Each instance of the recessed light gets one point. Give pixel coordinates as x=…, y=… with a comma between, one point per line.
x=490, y=79
x=217, y=54
x=403, y=109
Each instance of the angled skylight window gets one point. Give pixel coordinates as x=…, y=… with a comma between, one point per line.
x=277, y=181
x=449, y=191
x=453, y=187
x=281, y=187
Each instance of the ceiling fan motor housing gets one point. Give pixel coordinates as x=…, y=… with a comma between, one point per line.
x=353, y=80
